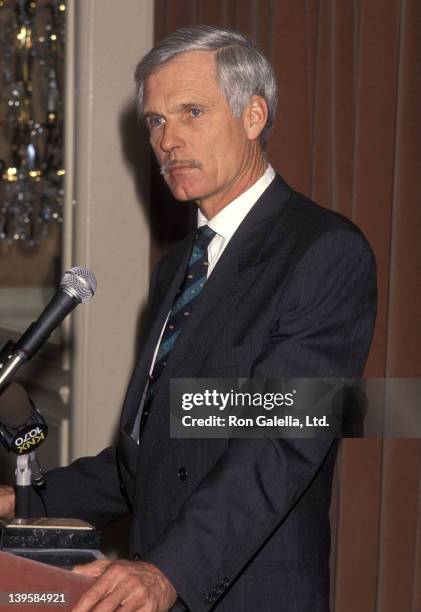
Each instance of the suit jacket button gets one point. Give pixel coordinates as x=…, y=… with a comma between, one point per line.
x=137, y=556
x=211, y=597
x=182, y=474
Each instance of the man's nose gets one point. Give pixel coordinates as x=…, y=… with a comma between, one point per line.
x=171, y=137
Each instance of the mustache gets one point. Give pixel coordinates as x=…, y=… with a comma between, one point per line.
x=173, y=163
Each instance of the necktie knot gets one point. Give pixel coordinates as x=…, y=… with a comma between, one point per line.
x=203, y=236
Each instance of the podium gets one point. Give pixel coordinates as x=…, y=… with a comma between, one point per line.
x=59, y=542
x=55, y=588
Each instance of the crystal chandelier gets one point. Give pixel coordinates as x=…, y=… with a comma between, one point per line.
x=32, y=39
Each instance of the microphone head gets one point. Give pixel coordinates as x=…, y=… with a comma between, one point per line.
x=15, y=406
x=79, y=283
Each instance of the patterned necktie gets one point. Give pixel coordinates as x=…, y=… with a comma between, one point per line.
x=183, y=305
x=192, y=285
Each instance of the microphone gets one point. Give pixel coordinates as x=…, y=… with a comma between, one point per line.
x=22, y=430
x=22, y=427
x=15, y=406
x=77, y=285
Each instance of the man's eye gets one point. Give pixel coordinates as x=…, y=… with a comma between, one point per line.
x=195, y=112
x=155, y=122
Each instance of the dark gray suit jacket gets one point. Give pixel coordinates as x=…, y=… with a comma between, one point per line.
x=240, y=525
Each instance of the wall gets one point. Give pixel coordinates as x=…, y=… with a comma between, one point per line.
x=107, y=228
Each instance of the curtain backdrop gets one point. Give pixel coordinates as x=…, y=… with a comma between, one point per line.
x=348, y=135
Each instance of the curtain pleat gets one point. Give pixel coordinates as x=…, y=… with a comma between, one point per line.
x=342, y=118
x=348, y=135
x=375, y=132
x=403, y=354
x=399, y=515
x=290, y=146
x=416, y=589
x=215, y=13
x=359, y=481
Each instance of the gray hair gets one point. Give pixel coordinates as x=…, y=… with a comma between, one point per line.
x=241, y=69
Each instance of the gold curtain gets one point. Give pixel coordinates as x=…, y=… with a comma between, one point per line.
x=348, y=135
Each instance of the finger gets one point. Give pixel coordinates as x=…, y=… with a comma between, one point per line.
x=118, y=600
x=105, y=584
x=135, y=606
x=92, y=570
x=94, y=595
x=7, y=502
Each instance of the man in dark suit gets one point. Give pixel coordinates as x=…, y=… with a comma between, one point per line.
x=271, y=285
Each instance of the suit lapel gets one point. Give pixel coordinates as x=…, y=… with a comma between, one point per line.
x=169, y=280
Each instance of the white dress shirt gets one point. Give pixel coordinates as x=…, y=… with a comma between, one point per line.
x=226, y=222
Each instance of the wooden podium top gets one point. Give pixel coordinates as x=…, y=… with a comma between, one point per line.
x=25, y=577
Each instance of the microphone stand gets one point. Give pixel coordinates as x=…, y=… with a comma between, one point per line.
x=25, y=478
x=62, y=542
x=23, y=475
x=9, y=362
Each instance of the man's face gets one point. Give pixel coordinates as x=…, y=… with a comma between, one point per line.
x=204, y=150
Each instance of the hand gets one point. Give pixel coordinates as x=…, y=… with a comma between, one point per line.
x=126, y=586
x=7, y=502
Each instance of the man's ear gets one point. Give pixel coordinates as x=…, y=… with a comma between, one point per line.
x=255, y=116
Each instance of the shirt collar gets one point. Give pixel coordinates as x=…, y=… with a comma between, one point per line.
x=229, y=218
